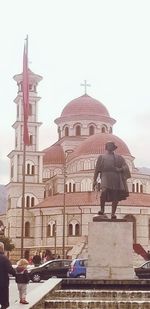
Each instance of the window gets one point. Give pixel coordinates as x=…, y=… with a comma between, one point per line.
x=70, y=229
x=91, y=130
x=78, y=130
x=30, y=109
x=77, y=229
x=74, y=228
x=32, y=201
x=27, y=229
x=66, y=131
x=31, y=139
x=51, y=229
x=32, y=169
x=28, y=201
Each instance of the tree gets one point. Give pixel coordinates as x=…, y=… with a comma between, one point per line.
x=8, y=246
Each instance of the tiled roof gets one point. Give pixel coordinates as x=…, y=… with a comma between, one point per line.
x=85, y=105
x=54, y=154
x=95, y=144
x=92, y=198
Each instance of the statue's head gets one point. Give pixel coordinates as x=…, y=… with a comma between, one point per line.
x=110, y=146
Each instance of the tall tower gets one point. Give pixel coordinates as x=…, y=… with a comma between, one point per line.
x=34, y=188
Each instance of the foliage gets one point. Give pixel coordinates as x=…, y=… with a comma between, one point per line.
x=8, y=246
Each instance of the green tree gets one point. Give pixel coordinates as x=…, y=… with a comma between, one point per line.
x=8, y=246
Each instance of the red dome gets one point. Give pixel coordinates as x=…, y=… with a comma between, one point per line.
x=95, y=144
x=84, y=105
x=53, y=155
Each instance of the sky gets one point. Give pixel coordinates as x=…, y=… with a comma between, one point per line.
x=104, y=42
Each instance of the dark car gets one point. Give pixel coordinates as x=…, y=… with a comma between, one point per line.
x=143, y=271
x=53, y=268
x=78, y=268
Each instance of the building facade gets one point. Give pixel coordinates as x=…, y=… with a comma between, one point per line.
x=59, y=200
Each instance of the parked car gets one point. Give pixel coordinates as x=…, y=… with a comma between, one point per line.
x=143, y=271
x=53, y=268
x=78, y=268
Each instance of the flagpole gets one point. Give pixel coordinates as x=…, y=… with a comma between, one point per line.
x=23, y=200
x=26, y=141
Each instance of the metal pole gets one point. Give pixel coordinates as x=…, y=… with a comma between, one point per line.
x=23, y=200
x=64, y=210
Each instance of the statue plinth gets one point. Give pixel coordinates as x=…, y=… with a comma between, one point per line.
x=100, y=218
x=110, y=249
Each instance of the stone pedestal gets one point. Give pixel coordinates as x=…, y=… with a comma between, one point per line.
x=110, y=249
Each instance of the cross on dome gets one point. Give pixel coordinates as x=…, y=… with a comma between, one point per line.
x=85, y=85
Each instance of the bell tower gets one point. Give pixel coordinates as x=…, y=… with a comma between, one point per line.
x=34, y=187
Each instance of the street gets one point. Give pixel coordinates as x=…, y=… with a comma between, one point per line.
x=13, y=290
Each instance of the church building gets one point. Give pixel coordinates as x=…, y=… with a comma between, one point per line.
x=59, y=199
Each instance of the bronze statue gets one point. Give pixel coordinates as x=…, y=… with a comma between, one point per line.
x=114, y=173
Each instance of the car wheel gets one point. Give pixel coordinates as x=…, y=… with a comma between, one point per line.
x=36, y=277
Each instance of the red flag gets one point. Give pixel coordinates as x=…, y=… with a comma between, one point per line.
x=26, y=93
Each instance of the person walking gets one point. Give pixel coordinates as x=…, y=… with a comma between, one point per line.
x=22, y=279
x=5, y=269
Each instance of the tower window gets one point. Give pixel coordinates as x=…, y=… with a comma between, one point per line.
x=31, y=139
x=27, y=229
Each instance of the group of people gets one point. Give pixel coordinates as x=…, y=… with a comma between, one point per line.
x=41, y=257
x=20, y=274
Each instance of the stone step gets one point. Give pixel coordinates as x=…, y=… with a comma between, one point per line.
x=101, y=295
x=88, y=304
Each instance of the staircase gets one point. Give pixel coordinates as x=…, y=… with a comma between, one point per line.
x=98, y=299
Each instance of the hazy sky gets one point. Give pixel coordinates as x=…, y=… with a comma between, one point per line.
x=106, y=42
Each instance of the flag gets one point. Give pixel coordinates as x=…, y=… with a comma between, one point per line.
x=25, y=93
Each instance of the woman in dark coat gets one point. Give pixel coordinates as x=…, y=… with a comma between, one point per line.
x=5, y=269
x=114, y=173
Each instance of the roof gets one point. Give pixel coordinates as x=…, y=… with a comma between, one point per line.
x=95, y=144
x=84, y=105
x=91, y=199
x=54, y=154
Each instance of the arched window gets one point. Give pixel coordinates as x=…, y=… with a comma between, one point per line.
x=74, y=187
x=77, y=229
x=133, y=187
x=51, y=229
x=69, y=186
x=66, y=131
x=28, y=169
x=103, y=129
x=131, y=218
x=32, y=201
x=31, y=139
x=141, y=188
x=28, y=201
x=137, y=187
x=78, y=130
x=91, y=130
x=32, y=169
x=30, y=109
x=70, y=230
x=44, y=193
x=27, y=229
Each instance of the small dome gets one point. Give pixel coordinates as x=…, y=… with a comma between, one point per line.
x=53, y=155
x=95, y=144
x=84, y=105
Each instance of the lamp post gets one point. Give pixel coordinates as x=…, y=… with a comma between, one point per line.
x=67, y=152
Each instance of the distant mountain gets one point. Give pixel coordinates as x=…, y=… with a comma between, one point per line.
x=144, y=170
x=3, y=199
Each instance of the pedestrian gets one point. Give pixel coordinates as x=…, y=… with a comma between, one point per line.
x=36, y=260
x=5, y=269
x=22, y=279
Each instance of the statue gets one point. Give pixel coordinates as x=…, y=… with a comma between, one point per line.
x=114, y=173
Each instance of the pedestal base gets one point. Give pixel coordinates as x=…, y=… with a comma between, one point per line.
x=110, y=250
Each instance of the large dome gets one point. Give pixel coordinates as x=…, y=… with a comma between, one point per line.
x=84, y=105
x=95, y=144
x=54, y=155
